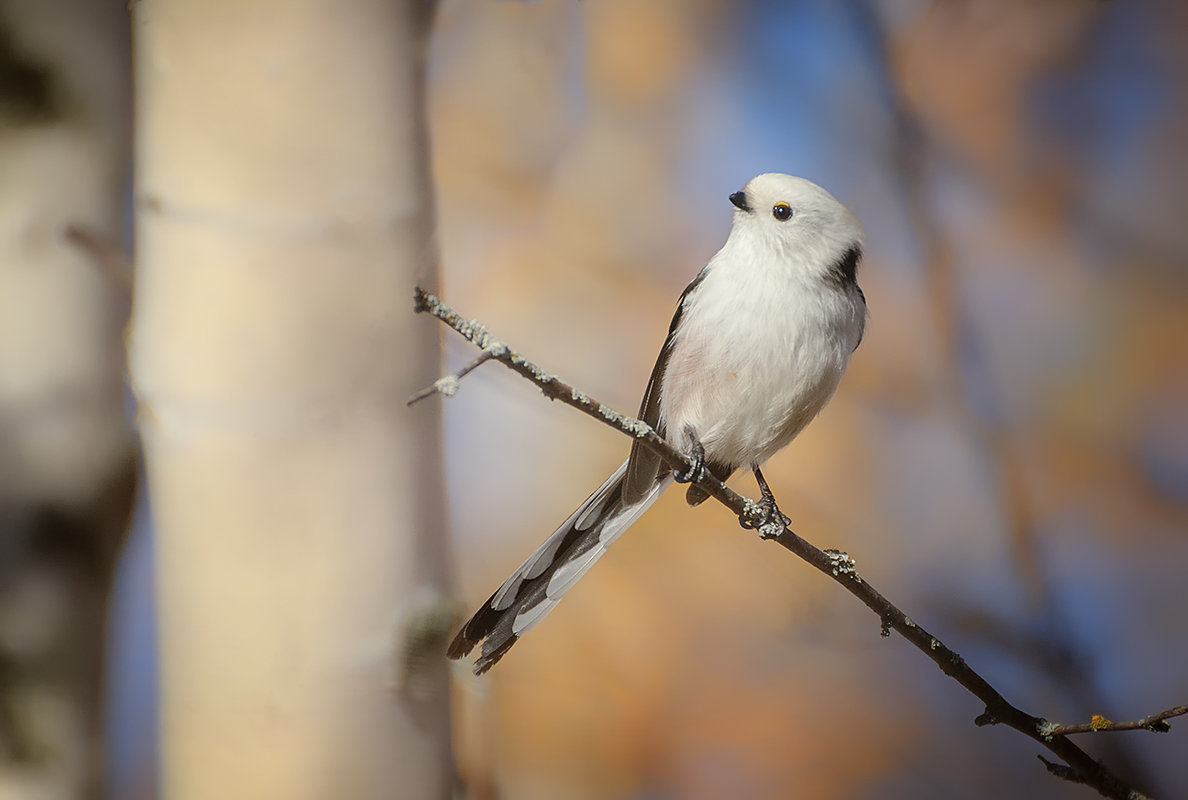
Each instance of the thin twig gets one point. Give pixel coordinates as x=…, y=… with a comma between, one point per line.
x=448, y=385
x=1099, y=724
x=837, y=565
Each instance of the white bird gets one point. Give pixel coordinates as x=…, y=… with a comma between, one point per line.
x=757, y=346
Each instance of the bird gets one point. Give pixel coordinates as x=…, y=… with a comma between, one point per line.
x=757, y=347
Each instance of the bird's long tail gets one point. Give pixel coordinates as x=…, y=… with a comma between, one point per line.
x=541, y=581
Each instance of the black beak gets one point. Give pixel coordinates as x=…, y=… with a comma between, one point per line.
x=740, y=201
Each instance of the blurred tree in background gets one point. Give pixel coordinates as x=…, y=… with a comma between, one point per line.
x=283, y=213
x=67, y=457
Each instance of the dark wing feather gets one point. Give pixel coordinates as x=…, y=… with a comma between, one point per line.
x=843, y=274
x=643, y=466
x=861, y=330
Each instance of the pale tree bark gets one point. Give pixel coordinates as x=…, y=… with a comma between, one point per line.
x=67, y=455
x=284, y=213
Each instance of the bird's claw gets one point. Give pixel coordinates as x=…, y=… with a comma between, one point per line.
x=764, y=516
x=697, y=470
x=693, y=473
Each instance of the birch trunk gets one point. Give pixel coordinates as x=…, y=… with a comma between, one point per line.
x=284, y=214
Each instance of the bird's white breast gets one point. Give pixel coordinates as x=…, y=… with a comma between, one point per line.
x=759, y=350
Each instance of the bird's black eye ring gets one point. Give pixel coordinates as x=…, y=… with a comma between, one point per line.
x=782, y=211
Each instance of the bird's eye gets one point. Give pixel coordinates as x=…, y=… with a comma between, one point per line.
x=782, y=211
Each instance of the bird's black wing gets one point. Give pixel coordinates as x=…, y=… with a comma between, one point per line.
x=843, y=273
x=862, y=329
x=643, y=466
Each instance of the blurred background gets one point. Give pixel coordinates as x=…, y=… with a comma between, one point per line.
x=1007, y=458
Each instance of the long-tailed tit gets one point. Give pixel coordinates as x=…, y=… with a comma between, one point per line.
x=757, y=346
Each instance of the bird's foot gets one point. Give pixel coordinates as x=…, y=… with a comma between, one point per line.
x=697, y=469
x=764, y=516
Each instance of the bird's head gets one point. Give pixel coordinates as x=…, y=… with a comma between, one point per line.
x=796, y=218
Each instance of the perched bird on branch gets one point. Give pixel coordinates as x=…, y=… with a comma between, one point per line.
x=757, y=346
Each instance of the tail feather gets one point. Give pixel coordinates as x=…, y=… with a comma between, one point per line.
x=539, y=583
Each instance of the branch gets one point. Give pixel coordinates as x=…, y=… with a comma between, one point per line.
x=1099, y=724
x=1078, y=765
x=448, y=385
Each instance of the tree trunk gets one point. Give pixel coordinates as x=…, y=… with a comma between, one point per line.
x=284, y=214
